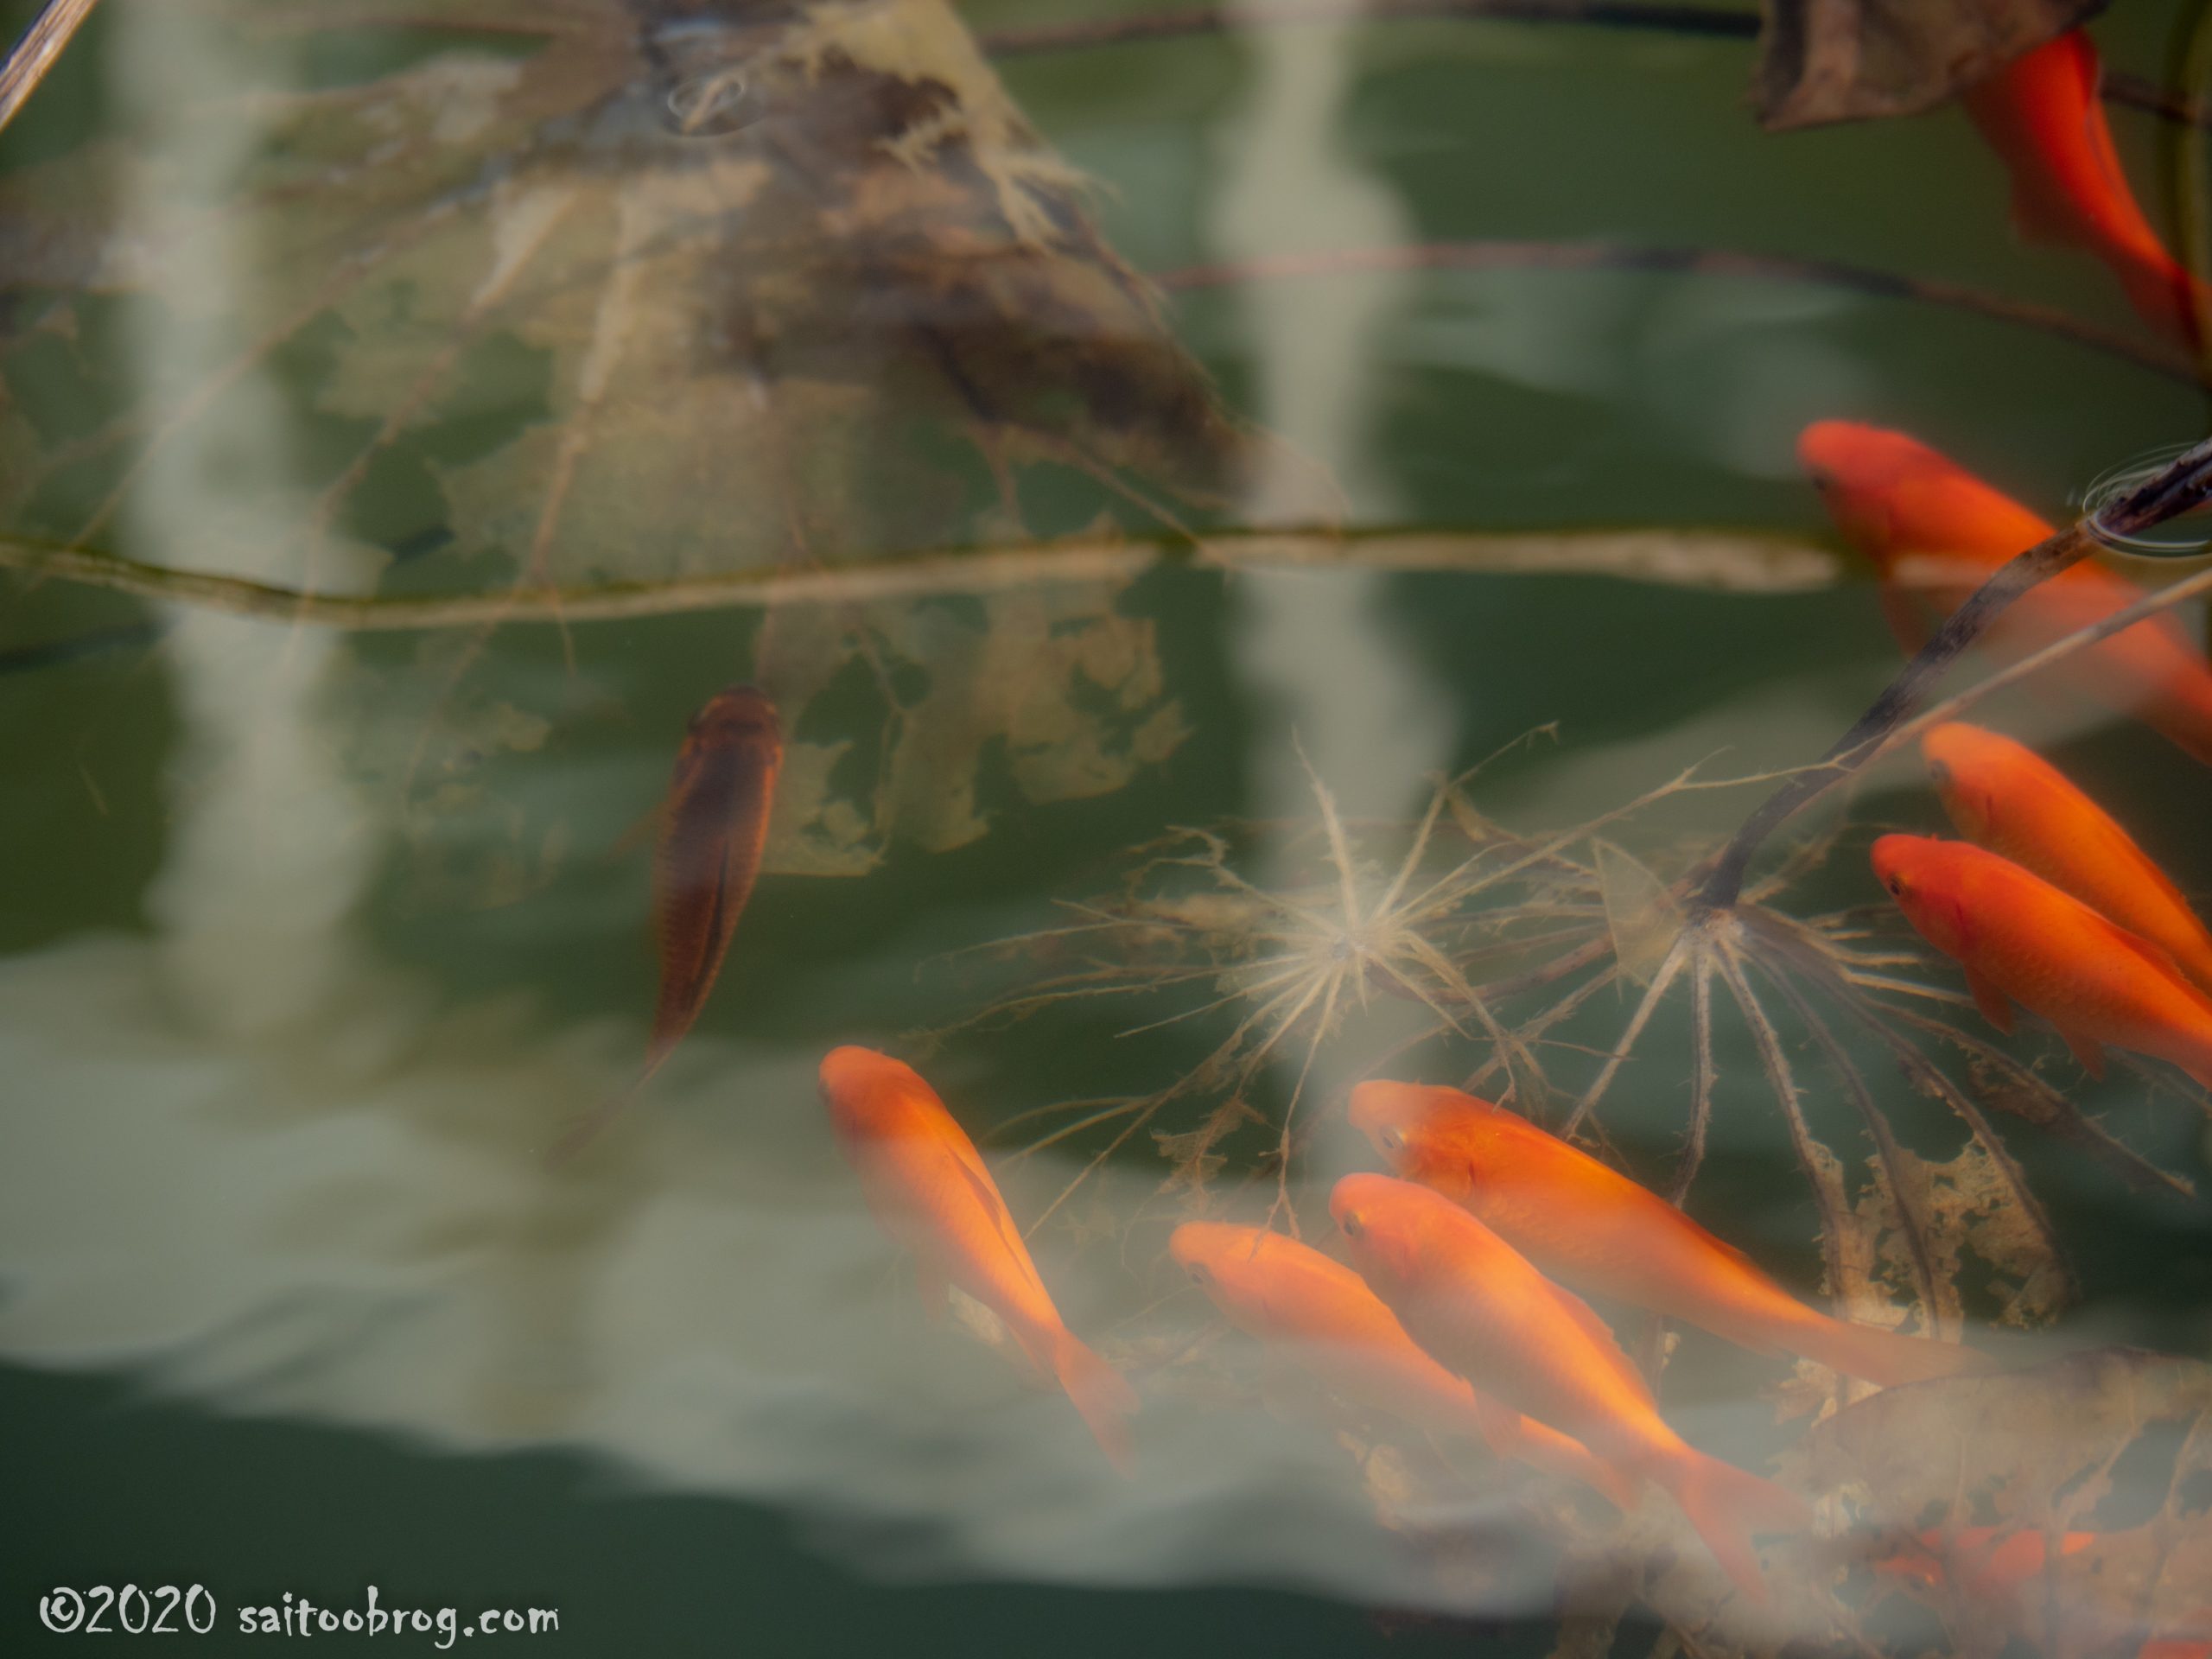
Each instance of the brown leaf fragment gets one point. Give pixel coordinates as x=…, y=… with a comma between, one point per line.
x=1822, y=60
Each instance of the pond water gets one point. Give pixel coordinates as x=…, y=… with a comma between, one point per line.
x=411, y=415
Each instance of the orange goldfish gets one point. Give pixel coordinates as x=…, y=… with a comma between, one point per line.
x=1323, y=1315
x=2193, y=1644
x=1481, y=1308
x=2041, y=115
x=2022, y=940
x=929, y=1188
x=1904, y=507
x=1989, y=1562
x=1593, y=1228
x=713, y=825
x=2003, y=796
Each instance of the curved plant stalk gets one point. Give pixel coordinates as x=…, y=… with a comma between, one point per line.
x=2174, y=490
x=1725, y=560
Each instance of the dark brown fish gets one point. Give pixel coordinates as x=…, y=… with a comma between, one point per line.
x=713, y=825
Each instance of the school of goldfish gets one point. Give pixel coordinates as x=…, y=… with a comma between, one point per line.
x=1452, y=1302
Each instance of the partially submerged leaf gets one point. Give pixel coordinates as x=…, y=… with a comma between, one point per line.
x=1849, y=59
x=534, y=324
x=597, y=292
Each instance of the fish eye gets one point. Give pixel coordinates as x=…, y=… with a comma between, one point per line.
x=1895, y=885
x=1940, y=772
x=1198, y=1272
x=1352, y=1225
x=1393, y=1140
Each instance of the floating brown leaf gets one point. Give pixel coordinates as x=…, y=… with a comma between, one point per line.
x=1849, y=59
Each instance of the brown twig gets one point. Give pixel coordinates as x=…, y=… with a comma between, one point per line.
x=39, y=50
x=1217, y=20
x=2184, y=483
x=1734, y=561
x=1717, y=22
x=1501, y=255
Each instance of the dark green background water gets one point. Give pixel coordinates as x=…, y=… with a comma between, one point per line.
x=1504, y=401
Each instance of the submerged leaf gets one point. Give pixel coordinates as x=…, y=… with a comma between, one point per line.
x=2110, y=1450
x=597, y=293
x=1849, y=59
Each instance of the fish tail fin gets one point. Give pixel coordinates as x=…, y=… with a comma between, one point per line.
x=1101, y=1394
x=587, y=1127
x=1508, y=1434
x=2162, y=290
x=1887, y=1358
x=1726, y=1506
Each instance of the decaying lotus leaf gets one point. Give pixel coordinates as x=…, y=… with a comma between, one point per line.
x=1848, y=59
x=547, y=332
x=589, y=293
x=2109, y=1450
x=1963, y=1211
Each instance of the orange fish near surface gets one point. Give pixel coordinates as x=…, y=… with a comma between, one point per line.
x=930, y=1189
x=1935, y=533
x=1590, y=1226
x=1481, y=1308
x=2041, y=114
x=2007, y=797
x=1321, y=1314
x=714, y=826
x=2022, y=940
x=1989, y=1562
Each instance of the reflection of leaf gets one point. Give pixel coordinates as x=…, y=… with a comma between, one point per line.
x=1842, y=59
x=2116, y=1443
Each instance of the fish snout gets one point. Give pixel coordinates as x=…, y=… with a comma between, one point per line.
x=1374, y=1113
x=1889, y=856
x=1186, y=1245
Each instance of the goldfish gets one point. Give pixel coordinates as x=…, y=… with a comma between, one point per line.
x=1987, y=1563
x=1321, y=1313
x=2193, y=1643
x=1594, y=1229
x=1905, y=506
x=930, y=1189
x=2003, y=796
x=2041, y=114
x=714, y=826
x=1481, y=1308
x=2022, y=940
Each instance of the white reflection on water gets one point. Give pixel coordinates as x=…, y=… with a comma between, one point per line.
x=1326, y=662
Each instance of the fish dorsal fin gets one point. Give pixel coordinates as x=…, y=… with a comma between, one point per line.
x=2120, y=847
x=1586, y=1318
x=2156, y=955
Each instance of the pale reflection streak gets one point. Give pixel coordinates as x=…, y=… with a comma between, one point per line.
x=1322, y=656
